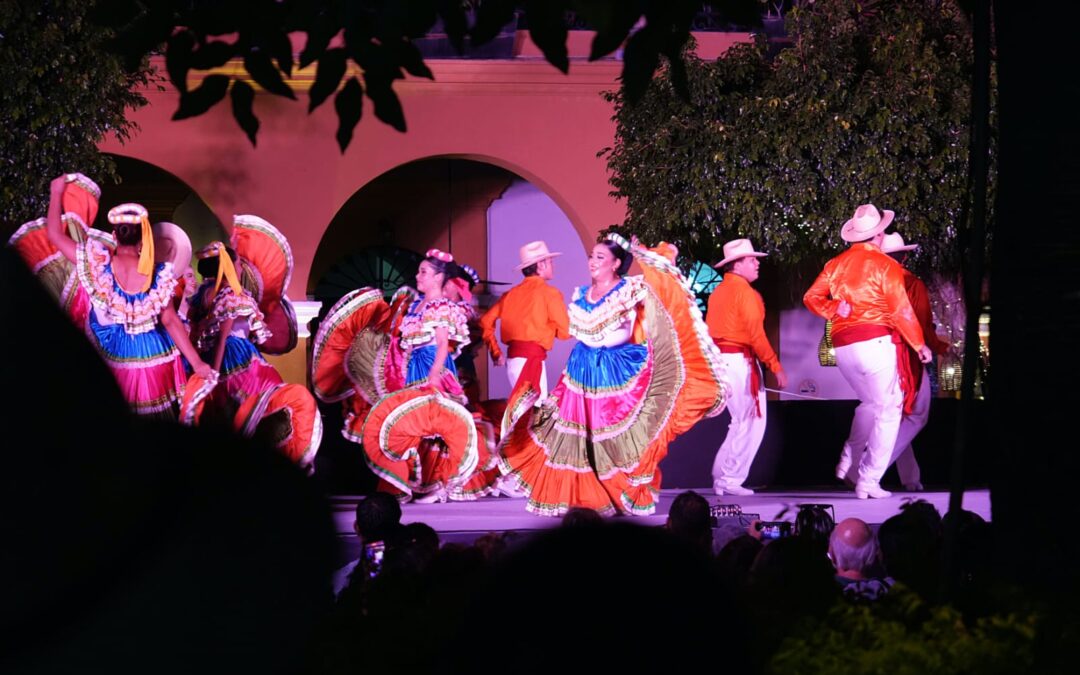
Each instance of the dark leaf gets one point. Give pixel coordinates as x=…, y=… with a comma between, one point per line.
x=491, y=16
x=412, y=60
x=739, y=12
x=318, y=38
x=279, y=45
x=331, y=70
x=547, y=28
x=242, y=98
x=178, y=58
x=200, y=99
x=420, y=16
x=262, y=70
x=454, y=22
x=140, y=37
x=212, y=55
x=349, y=104
x=640, y=60
x=612, y=21
x=380, y=91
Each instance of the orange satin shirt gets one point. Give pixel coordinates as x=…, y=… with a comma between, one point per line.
x=919, y=297
x=873, y=284
x=532, y=311
x=736, y=314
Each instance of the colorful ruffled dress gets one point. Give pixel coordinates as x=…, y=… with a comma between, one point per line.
x=375, y=359
x=56, y=273
x=244, y=371
x=644, y=370
x=126, y=330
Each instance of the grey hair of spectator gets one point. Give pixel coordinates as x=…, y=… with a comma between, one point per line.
x=853, y=546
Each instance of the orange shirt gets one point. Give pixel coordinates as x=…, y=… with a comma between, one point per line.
x=873, y=284
x=736, y=314
x=532, y=311
x=919, y=297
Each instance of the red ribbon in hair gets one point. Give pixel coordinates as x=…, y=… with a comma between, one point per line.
x=463, y=288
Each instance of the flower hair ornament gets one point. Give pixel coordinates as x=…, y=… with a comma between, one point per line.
x=137, y=214
x=618, y=240
x=473, y=275
x=226, y=270
x=442, y=256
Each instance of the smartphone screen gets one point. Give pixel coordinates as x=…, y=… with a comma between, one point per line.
x=373, y=557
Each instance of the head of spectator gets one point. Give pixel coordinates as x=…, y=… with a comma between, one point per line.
x=925, y=511
x=911, y=551
x=815, y=524
x=378, y=516
x=690, y=520
x=736, y=558
x=581, y=516
x=853, y=548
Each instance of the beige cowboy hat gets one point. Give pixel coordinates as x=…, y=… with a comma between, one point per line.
x=893, y=243
x=738, y=248
x=866, y=223
x=534, y=252
x=172, y=244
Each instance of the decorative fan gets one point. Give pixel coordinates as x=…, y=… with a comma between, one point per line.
x=703, y=280
x=386, y=268
x=826, y=352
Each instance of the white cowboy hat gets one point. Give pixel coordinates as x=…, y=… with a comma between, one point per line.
x=172, y=244
x=738, y=248
x=866, y=223
x=893, y=243
x=534, y=252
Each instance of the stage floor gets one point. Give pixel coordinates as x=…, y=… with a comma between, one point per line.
x=464, y=521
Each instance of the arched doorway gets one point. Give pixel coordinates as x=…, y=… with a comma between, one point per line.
x=164, y=195
x=481, y=213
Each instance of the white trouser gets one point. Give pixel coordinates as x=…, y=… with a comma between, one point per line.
x=744, y=434
x=910, y=426
x=870, y=368
x=513, y=372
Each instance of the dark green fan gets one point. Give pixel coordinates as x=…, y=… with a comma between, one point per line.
x=386, y=268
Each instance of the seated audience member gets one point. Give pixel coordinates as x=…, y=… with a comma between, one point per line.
x=853, y=548
x=579, y=516
x=735, y=559
x=911, y=551
x=378, y=516
x=814, y=524
x=689, y=519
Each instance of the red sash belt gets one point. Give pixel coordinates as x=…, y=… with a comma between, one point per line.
x=910, y=377
x=534, y=356
x=752, y=363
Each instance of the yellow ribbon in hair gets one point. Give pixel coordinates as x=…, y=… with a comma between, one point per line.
x=225, y=269
x=146, y=256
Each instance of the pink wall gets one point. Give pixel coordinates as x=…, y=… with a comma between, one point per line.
x=523, y=116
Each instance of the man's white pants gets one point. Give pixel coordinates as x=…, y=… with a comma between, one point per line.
x=514, y=367
x=732, y=463
x=870, y=368
x=903, y=455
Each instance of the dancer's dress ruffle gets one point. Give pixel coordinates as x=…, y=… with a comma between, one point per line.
x=596, y=442
x=286, y=417
x=55, y=272
x=265, y=265
x=126, y=330
x=244, y=371
x=427, y=442
x=355, y=358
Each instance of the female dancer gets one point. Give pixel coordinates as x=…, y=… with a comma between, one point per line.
x=131, y=321
x=228, y=324
x=644, y=370
x=393, y=368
